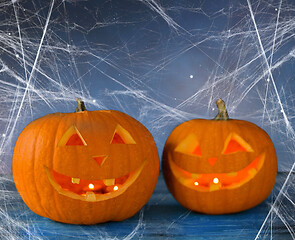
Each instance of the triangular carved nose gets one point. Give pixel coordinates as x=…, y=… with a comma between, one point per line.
x=212, y=161
x=100, y=159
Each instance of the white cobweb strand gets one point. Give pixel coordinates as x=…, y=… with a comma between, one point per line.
x=11, y=227
x=154, y=106
x=288, y=125
x=289, y=130
x=15, y=120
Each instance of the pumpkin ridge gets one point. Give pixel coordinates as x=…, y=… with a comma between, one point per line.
x=25, y=188
x=58, y=210
x=19, y=165
x=55, y=196
x=35, y=168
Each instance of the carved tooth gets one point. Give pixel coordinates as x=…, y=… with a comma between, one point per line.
x=252, y=172
x=90, y=197
x=195, y=175
x=75, y=180
x=109, y=182
x=232, y=174
x=214, y=187
x=182, y=180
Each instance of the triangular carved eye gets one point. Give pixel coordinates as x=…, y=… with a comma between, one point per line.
x=189, y=145
x=122, y=136
x=235, y=143
x=72, y=137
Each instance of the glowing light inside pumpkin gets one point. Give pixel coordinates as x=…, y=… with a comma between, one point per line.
x=208, y=182
x=189, y=145
x=75, y=140
x=72, y=137
x=216, y=180
x=117, y=139
x=235, y=143
x=122, y=136
x=196, y=183
x=100, y=159
x=81, y=186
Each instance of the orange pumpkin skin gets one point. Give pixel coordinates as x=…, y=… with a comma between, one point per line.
x=41, y=160
x=216, y=175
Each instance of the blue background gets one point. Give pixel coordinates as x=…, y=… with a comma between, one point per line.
x=162, y=62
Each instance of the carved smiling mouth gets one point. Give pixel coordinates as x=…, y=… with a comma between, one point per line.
x=91, y=190
x=217, y=181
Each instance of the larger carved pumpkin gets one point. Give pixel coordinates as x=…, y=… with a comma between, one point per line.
x=219, y=166
x=85, y=167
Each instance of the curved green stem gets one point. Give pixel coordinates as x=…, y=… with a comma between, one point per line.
x=222, y=112
x=81, y=106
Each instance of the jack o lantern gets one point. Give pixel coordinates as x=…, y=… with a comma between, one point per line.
x=219, y=166
x=85, y=167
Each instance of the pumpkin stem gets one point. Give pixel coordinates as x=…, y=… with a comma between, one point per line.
x=222, y=113
x=81, y=106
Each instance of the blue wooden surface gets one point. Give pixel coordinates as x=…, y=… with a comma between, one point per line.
x=161, y=218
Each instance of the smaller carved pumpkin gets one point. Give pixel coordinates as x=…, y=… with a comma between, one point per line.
x=85, y=167
x=219, y=166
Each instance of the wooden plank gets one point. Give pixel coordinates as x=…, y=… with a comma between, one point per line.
x=161, y=218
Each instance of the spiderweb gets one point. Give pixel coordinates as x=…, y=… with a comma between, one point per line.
x=162, y=62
